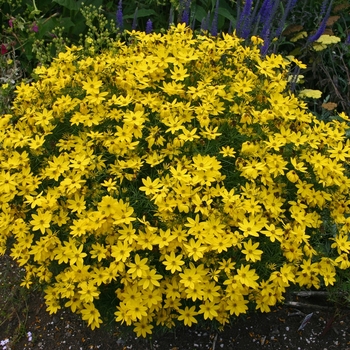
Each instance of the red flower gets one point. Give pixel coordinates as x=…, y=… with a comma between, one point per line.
x=3, y=49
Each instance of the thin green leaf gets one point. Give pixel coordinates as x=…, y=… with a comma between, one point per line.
x=225, y=13
x=69, y=4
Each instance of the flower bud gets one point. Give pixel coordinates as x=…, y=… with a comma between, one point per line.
x=292, y=176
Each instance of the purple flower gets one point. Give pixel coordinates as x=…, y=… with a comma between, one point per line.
x=266, y=45
x=322, y=27
x=119, y=16
x=11, y=22
x=244, y=20
x=149, y=27
x=347, y=40
x=266, y=14
x=185, y=18
x=34, y=28
x=265, y=10
x=289, y=7
x=323, y=7
x=214, y=23
x=205, y=23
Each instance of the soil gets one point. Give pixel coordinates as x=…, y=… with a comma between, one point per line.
x=283, y=328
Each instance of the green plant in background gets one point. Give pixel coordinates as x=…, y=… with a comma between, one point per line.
x=38, y=32
x=174, y=178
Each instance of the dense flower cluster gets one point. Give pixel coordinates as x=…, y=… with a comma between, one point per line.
x=174, y=177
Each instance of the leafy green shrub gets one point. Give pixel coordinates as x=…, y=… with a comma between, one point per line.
x=173, y=179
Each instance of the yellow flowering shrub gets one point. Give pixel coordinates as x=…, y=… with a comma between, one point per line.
x=174, y=177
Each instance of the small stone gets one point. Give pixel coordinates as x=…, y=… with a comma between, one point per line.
x=120, y=341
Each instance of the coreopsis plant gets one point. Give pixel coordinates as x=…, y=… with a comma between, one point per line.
x=174, y=177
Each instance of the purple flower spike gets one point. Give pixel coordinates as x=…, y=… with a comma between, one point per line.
x=323, y=7
x=289, y=7
x=347, y=40
x=214, y=24
x=205, y=23
x=323, y=24
x=119, y=16
x=149, y=27
x=244, y=22
x=186, y=12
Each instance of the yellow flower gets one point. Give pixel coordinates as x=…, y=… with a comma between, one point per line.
x=195, y=249
x=92, y=85
x=190, y=277
x=247, y=276
x=151, y=187
x=143, y=328
x=76, y=255
x=179, y=72
x=292, y=176
x=342, y=243
x=173, y=262
x=37, y=142
x=227, y=152
x=310, y=93
x=327, y=39
x=8, y=182
x=250, y=227
x=139, y=268
x=91, y=315
x=236, y=304
x=187, y=316
x=209, y=309
x=88, y=291
x=77, y=204
x=41, y=221
x=251, y=252
x=299, y=36
x=150, y=279
x=98, y=251
x=121, y=251
x=273, y=233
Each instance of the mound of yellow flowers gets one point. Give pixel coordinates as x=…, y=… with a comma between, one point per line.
x=174, y=177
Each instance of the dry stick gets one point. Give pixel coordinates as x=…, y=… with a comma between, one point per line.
x=214, y=341
x=338, y=94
